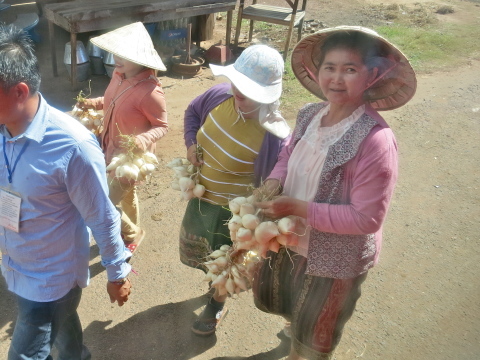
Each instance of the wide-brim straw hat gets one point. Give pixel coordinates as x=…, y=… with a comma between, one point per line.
x=133, y=43
x=395, y=84
x=257, y=73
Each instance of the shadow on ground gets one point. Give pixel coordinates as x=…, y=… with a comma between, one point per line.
x=171, y=324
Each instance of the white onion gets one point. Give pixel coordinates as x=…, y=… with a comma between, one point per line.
x=198, y=190
x=250, y=221
x=265, y=231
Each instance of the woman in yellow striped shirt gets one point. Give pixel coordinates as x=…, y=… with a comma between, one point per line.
x=241, y=133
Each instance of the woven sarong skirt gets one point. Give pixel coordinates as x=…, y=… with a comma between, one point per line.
x=317, y=307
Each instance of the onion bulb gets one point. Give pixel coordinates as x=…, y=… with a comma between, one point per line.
x=244, y=234
x=198, y=190
x=250, y=221
x=150, y=158
x=286, y=225
x=187, y=195
x=234, y=207
x=246, y=208
x=186, y=183
x=266, y=231
x=235, y=223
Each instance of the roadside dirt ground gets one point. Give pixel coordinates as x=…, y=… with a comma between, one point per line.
x=421, y=302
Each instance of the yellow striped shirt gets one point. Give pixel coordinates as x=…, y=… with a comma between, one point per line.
x=230, y=146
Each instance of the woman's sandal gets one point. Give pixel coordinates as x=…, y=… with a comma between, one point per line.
x=205, y=327
x=133, y=245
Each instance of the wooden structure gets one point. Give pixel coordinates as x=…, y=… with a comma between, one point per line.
x=289, y=16
x=80, y=16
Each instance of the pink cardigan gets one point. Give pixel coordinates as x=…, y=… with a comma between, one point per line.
x=353, y=195
x=134, y=106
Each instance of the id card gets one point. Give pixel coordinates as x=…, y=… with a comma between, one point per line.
x=10, y=210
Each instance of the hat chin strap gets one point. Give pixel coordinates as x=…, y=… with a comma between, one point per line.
x=380, y=77
x=242, y=113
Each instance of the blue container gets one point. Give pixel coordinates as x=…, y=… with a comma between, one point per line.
x=173, y=34
x=150, y=28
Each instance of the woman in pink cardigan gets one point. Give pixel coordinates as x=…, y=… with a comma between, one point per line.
x=134, y=104
x=337, y=177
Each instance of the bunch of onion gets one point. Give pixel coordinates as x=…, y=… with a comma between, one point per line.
x=230, y=271
x=186, y=178
x=132, y=165
x=250, y=230
x=91, y=119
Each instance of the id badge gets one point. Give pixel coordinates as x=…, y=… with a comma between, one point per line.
x=10, y=210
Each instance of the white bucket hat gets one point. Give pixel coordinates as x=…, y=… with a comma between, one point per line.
x=133, y=43
x=395, y=84
x=257, y=73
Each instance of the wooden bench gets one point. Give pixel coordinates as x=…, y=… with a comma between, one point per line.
x=80, y=16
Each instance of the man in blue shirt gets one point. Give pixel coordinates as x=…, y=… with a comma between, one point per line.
x=52, y=187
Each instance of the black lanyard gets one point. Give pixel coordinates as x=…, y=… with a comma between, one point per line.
x=11, y=170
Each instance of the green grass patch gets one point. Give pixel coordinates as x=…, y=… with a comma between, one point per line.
x=435, y=47
x=294, y=95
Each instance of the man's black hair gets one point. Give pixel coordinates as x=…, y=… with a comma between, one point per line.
x=18, y=62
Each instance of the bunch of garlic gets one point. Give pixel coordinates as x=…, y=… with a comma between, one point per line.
x=250, y=231
x=133, y=167
x=89, y=118
x=230, y=275
x=186, y=178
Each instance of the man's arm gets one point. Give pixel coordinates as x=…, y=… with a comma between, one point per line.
x=87, y=187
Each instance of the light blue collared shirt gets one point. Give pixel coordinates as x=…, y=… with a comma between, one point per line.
x=62, y=183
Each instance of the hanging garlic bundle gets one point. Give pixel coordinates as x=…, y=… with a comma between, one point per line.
x=89, y=118
x=249, y=230
x=229, y=272
x=132, y=165
x=186, y=178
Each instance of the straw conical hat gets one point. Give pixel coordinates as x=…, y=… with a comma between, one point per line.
x=395, y=87
x=131, y=42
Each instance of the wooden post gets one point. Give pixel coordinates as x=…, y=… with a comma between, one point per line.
x=228, y=35
x=73, y=48
x=53, y=52
x=205, y=26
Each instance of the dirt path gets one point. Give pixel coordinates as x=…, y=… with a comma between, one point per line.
x=421, y=302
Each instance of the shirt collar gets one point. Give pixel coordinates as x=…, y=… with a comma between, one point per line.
x=37, y=127
x=147, y=73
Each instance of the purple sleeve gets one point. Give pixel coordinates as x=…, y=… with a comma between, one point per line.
x=369, y=193
x=199, y=108
x=280, y=170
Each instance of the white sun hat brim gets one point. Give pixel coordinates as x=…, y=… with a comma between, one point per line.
x=390, y=92
x=133, y=43
x=264, y=94
x=257, y=73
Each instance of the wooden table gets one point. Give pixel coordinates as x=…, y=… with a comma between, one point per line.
x=80, y=16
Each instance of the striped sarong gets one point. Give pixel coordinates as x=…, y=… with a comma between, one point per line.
x=317, y=307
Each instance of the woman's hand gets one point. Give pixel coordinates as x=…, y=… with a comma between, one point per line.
x=192, y=155
x=85, y=105
x=283, y=206
x=270, y=188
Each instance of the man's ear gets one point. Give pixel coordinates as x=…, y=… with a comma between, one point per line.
x=21, y=92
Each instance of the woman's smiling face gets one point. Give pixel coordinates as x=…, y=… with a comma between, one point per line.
x=343, y=77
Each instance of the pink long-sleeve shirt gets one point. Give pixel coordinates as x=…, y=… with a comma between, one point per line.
x=367, y=186
x=134, y=106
